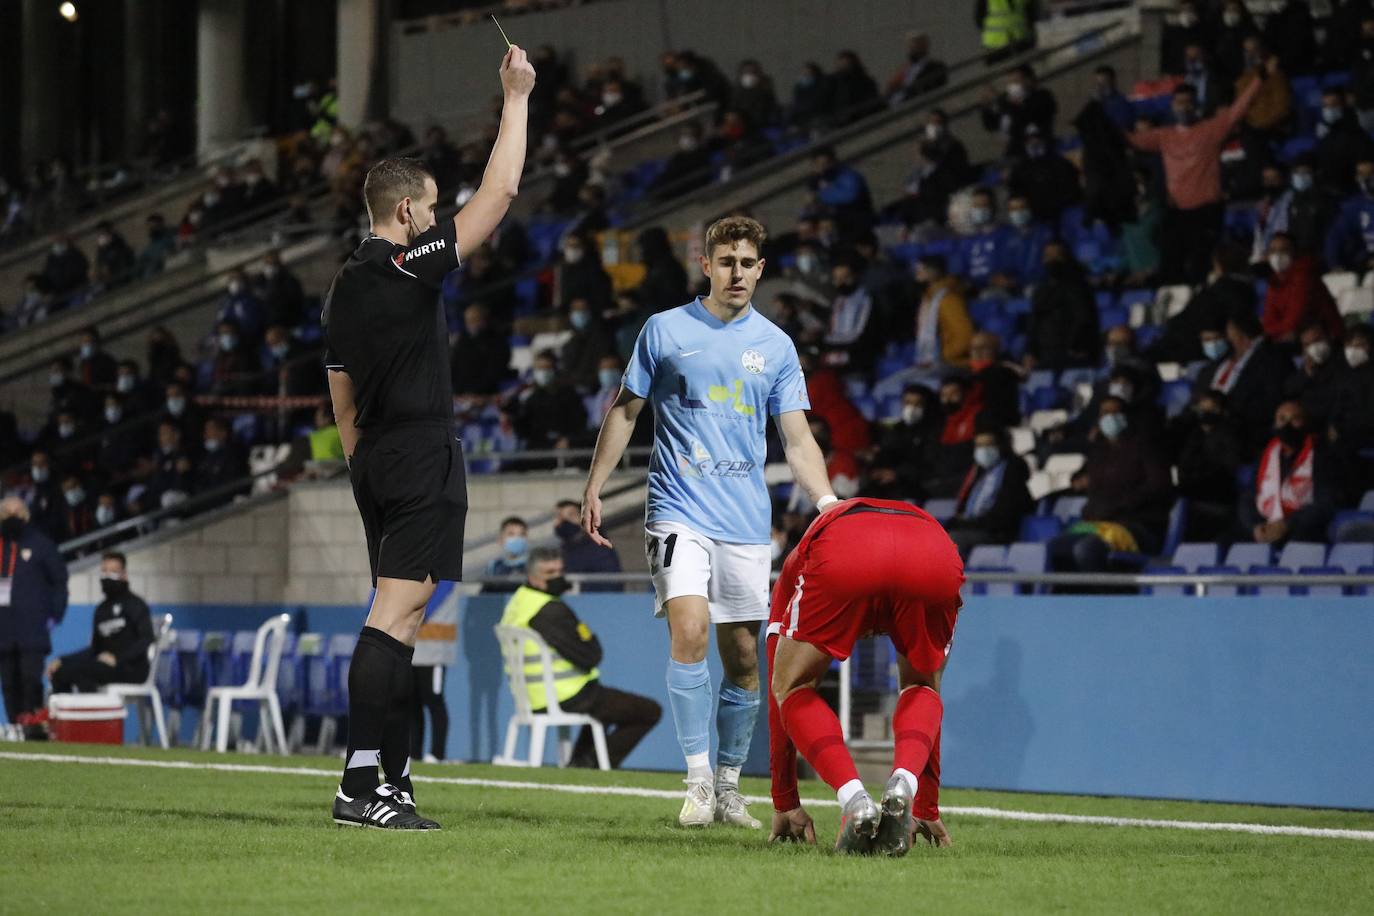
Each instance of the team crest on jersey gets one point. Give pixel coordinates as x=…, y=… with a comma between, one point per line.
x=753, y=361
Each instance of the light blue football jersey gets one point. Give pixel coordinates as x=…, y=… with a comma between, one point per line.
x=713, y=387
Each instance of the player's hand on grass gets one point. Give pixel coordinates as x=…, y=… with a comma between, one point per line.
x=517, y=73
x=934, y=832
x=591, y=518
x=793, y=826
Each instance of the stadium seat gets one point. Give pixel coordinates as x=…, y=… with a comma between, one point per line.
x=1174, y=397
x=1268, y=591
x=1244, y=556
x=1048, y=398
x=1042, y=420
x=1220, y=591
x=1017, y=306
x=988, y=555
x=1362, y=589
x=1112, y=317
x=1072, y=378
x=990, y=558
x=1192, y=556
x=1169, y=372
x=164, y=643
x=1040, y=485
x=1069, y=508
x=1038, y=529
x=1350, y=557
x=1338, y=281
x=1061, y=468
x=1022, y=439
x=1133, y=297
x=1367, y=501
x=1040, y=378
x=1357, y=302
x=992, y=589
x=1174, y=591
x=260, y=686
x=1029, y=558
x=513, y=642
x=1327, y=591
x=1302, y=553
x=942, y=509
x=1170, y=300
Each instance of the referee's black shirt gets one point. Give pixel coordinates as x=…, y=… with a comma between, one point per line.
x=384, y=325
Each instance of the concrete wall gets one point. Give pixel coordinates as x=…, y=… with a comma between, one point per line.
x=450, y=75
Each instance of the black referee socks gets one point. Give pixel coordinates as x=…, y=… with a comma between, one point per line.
x=380, y=666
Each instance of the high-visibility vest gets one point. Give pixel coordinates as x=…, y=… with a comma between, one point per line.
x=325, y=444
x=568, y=679
x=326, y=116
x=1005, y=24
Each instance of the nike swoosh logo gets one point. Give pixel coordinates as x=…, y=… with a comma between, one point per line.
x=689, y=353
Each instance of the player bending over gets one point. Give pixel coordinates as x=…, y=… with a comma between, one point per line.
x=869, y=566
x=714, y=370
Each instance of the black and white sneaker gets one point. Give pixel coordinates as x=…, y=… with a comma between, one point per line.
x=387, y=808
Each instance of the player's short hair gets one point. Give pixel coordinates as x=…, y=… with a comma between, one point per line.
x=733, y=229
x=116, y=555
x=391, y=180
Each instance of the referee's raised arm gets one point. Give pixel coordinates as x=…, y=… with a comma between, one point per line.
x=501, y=180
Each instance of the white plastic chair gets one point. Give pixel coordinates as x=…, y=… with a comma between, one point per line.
x=164, y=637
x=512, y=640
x=260, y=686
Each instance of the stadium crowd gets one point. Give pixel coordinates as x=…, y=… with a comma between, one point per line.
x=1126, y=315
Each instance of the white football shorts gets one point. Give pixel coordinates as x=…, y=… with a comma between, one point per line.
x=733, y=578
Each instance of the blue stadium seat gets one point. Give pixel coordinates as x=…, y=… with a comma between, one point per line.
x=1072, y=378
x=1069, y=509
x=1038, y=529
x=1192, y=556
x=1173, y=533
x=1367, y=501
x=1040, y=378
x=1019, y=306
x=1112, y=317
x=1173, y=591
x=1326, y=591
x=216, y=651
x=1105, y=299
x=1268, y=590
x=241, y=655
x=1029, y=558
x=867, y=406
x=981, y=311
x=1220, y=591
x=190, y=688
x=1132, y=297
x=1302, y=553
x=1147, y=335
x=1351, y=525
x=992, y=588
x=1174, y=396
x=988, y=555
x=1243, y=556
x=1295, y=147
x=1050, y=398
x=942, y=509
x=1362, y=589
x=1350, y=557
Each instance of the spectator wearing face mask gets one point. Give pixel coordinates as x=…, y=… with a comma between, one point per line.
x=580, y=275
x=121, y=634
x=1048, y=181
x=121, y=443
x=1210, y=454
x=549, y=414
x=609, y=374
x=918, y=73
x=1105, y=92
x=753, y=95
x=152, y=257
x=1304, y=212
x=978, y=255
x=851, y=331
x=960, y=411
x=1129, y=495
x=78, y=517
x=1235, y=26
x=1341, y=145
x=221, y=460
x=1063, y=328
x=1321, y=375
x=1295, y=485
x=842, y=190
x=993, y=496
x=42, y=495
x=853, y=91
x=1350, y=243
x=178, y=409
x=135, y=394
x=1352, y=419
x=257, y=188
x=580, y=553
x=581, y=354
x=1296, y=295
x=107, y=510
x=845, y=425
x=65, y=269
x=943, y=330
x=68, y=392
x=64, y=435
x=170, y=480
x=941, y=168
x=114, y=259
x=1022, y=103
x=1247, y=369
x=1210, y=90
x=94, y=367
x=279, y=291
x=908, y=449
x=481, y=355
x=812, y=100
x=1230, y=290
x=231, y=371
x=1191, y=151
x=513, y=536
x=241, y=306
x=164, y=356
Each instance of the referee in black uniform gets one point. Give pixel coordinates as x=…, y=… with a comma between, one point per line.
x=386, y=351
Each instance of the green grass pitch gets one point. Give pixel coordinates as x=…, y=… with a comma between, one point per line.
x=97, y=838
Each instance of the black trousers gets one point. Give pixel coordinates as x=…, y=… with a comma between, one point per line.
x=21, y=680
x=627, y=718
x=1188, y=238
x=82, y=672
x=429, y=694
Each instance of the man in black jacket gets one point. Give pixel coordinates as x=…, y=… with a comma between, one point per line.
x=121, y=634
x=1244, y=366
x=575, y=648
x=33, y=597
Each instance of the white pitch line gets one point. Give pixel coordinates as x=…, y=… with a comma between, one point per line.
x=1041, y=817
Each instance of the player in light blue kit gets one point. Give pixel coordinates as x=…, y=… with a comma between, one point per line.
x=715, y=370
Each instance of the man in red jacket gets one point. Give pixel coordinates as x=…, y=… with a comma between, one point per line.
x=1296, y=296
x=865, y=566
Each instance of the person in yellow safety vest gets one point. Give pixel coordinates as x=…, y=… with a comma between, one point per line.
x=576, y=652
x=325, y=108
x=1008, y=26
x=325, y=443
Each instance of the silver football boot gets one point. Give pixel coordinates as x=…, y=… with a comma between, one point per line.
x=894, y=831
x=858, y=826
x=731, y=808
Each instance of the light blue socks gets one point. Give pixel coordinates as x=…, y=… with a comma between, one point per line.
x=689, y=693
x=735, y=718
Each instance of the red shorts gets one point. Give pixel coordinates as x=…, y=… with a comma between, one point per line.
x=868, y=573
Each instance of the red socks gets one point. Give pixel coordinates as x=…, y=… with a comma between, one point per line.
x=916, y=729
x=815, y=730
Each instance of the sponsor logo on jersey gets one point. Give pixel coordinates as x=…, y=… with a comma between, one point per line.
x=732, y=394
x=753, y=361
x=733, y=468
x=696, y=466
x=425, y=249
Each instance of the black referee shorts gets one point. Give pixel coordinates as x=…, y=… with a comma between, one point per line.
x=411, y=489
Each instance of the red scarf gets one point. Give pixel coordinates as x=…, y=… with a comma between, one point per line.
x=1277, y=496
